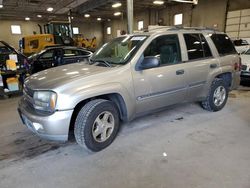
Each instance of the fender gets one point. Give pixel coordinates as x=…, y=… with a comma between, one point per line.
x=86, y=93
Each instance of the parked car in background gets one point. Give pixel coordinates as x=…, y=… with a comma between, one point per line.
x=241, y=45
x=57, y=56
x=6, y=50
x=13, y=69
x=245, y=68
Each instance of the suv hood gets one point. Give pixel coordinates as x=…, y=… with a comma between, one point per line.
x=58, y=76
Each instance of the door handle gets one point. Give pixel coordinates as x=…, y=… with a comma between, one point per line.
x=212, y=66
x=179, y=72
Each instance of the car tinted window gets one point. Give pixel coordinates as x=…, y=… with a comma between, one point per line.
x=82, y=52
x=194, y=46
x=47, y=55
x=223, y=44
x=71, y=52
x=165, y=47
x=5, y=50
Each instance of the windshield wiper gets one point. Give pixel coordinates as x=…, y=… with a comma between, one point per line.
x=101, y=61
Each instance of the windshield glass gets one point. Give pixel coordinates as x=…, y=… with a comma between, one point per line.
x=119, y=50
x=36, y=54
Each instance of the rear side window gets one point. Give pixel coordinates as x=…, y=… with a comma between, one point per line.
x=223, y=44
x=82, y=52
x=71, y=52
x=47, y=55
x=197, y=46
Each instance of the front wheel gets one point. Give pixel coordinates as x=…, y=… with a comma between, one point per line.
x=96, y=125
x=217, y=96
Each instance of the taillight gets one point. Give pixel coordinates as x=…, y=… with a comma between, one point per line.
x=237, y=66
x=240, y=64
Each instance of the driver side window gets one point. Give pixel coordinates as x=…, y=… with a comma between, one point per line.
x=166, y=48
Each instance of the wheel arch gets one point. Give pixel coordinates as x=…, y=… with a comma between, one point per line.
x=116, y=98
x=227, y=77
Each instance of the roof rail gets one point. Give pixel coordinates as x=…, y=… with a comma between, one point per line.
x=157, y=27
x=192, y=28
x=175, y=28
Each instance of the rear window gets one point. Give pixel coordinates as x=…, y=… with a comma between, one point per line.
x=197, y=46
x=223, y=44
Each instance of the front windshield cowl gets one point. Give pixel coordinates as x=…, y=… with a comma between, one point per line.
x=120, y=50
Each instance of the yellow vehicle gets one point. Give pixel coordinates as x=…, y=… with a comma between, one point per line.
x=35, y=43
x=85, y=42
x=55, y=33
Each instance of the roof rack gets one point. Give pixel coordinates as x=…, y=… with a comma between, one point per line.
x=192, y=28
x=175, y=28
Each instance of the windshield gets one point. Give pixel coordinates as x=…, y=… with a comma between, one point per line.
x=119, y=50
x=36, y=54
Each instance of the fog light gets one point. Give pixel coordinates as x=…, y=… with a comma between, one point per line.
x=37, y=126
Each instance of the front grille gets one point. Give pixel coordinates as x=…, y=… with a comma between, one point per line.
x=28, y=95
x=243, y=67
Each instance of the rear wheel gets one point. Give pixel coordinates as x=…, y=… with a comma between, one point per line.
x=217, y=97
x=96, y=125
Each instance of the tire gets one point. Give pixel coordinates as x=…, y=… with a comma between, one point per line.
x=210, y=103
x=90, y=121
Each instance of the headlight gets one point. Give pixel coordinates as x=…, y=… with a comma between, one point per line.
x=45, y=100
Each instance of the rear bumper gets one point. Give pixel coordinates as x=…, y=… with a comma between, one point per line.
x=50, y=127
x=235, y=80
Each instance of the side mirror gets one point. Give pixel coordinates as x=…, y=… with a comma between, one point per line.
x=149, y=62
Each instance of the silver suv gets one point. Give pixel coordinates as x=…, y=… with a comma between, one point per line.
x=130, y=76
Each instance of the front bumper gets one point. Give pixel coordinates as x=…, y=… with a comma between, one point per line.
x=51, y=127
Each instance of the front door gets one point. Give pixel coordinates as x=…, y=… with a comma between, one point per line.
x=44, y=61
x=164, y=85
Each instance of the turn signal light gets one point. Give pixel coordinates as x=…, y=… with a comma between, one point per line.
x=237, y=66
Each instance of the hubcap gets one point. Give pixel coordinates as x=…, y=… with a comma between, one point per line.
x=219, y=96
x=103, y=126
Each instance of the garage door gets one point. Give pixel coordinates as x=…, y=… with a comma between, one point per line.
x=238, y=24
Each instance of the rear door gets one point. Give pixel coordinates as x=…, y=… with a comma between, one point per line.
x=199, y=64
x=228, y=57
